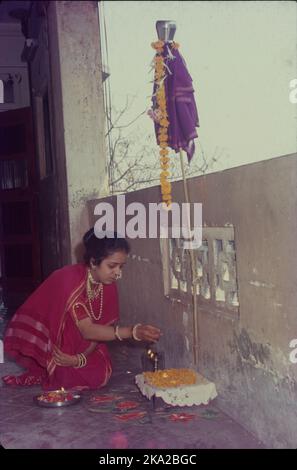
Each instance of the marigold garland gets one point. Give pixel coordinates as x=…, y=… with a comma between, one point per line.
x=162, y=121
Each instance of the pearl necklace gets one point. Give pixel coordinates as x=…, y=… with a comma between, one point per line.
x=94, y=294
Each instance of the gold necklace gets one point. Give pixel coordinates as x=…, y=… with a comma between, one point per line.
x=94, y=294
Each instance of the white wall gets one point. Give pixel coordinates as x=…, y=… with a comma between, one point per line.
x=78, y=106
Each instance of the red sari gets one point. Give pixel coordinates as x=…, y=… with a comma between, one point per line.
x=49, y=317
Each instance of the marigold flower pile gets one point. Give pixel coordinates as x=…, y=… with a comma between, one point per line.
x=171, y=378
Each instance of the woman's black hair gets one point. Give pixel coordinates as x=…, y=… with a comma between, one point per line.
x=100, y=248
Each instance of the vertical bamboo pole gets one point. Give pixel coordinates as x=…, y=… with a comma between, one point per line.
x=193, y=272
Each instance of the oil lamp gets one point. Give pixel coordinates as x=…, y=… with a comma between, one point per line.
x=152, y=360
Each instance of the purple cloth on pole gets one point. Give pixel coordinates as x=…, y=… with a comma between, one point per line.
x=181, y=106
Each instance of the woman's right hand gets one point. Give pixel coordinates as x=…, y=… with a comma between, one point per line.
x=64, y=360
x=147, y=333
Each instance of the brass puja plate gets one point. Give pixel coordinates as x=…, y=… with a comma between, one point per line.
x=57, y=398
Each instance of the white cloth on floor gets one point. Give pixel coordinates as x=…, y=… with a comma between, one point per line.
x=187, y=395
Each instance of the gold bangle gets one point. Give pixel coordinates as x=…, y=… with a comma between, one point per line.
x=78, y=365
x=117, y=334
x=82, y=361
x=134, y=335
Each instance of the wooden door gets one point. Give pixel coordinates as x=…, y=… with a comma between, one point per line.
x=19, y=234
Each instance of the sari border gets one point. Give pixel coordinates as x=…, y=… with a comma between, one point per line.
x=69, y=304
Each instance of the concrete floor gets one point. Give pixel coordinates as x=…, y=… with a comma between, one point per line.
x=87, y=426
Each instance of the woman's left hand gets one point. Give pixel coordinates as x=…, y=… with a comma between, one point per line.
x=64, y=360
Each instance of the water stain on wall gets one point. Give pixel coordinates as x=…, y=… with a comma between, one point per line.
x=249, y=350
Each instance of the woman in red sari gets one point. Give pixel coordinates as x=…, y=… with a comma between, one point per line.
x=59, y=333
